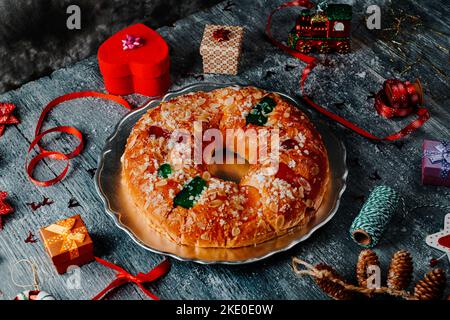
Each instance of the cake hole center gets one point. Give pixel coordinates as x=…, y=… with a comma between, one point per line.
x=230, y=170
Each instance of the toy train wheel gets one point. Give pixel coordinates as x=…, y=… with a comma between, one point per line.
x=291, y=40
x=303, y=46
x=324, y=48
x=343, y=47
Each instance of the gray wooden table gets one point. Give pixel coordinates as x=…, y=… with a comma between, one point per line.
x=415, y=45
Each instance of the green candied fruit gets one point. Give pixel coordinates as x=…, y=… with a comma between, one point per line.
x=164, y=170
x=267, y=102
x=259, y=114
x=189, y=194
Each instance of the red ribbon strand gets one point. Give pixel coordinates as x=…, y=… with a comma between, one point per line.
x=56, y=155
x=124, y=276
x=406, y=98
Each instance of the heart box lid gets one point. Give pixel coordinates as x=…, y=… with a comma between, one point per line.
x=150, y=60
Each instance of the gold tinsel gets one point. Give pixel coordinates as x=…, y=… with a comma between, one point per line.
x=400, y=270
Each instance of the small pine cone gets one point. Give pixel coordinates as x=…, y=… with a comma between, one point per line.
x=366, y=258
x=332, y=289
x=432, y=286
x=400, y=270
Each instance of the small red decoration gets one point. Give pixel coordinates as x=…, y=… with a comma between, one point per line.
x=73, y=203
x=323, y=30
x=221, y=35
x=421, y=112
x=30, y=238
x=144, y=71
x=123, y=277
x=445, y=241
x=433, y=262
x=5, y=208
x=132, y=42
x=158, y=132
x=36, y=205
x=398, y=98
x=6, y=116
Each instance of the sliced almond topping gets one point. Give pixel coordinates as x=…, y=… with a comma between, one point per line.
x=315, y=170
x=206, y=175
x=301, y=192
x=235, y=231
x=161, y=183
x=279, y=222
x=215, y=203
x=273, y=207
x=204, y=236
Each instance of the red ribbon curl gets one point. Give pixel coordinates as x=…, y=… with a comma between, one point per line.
x=56, y=155
x=124, y=276
x=402, y=100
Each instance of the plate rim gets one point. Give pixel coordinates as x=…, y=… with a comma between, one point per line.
x=189, y=88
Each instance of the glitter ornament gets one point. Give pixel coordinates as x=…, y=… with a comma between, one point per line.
x=34, y=295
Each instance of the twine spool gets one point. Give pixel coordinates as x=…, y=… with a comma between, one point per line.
x=375, y=214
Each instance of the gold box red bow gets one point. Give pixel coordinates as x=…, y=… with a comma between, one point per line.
x=68, y=243
x=221, y=48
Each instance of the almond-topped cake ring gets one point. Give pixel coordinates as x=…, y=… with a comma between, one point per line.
x=169, y=174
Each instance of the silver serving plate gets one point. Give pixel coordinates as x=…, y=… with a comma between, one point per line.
x=123, y=212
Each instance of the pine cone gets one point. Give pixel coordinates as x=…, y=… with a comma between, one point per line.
x=400, y=270
x=366, y=258
x=332, y=289
x=432, y=286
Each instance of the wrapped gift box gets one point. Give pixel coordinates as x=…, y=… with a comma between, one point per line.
x=135, y=60
x=221, y=49
x=436, y=163
x=68, y=243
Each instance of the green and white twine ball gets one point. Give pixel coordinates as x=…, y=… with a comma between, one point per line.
x=371, y=221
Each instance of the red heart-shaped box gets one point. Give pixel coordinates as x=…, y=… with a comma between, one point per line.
x=144, y=69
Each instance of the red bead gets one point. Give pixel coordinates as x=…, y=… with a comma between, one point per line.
x=433, y=262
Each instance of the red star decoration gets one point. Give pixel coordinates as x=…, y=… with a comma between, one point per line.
x=5, y=208
x=6, y=116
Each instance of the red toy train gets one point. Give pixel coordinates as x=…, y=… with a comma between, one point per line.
x=324, y=31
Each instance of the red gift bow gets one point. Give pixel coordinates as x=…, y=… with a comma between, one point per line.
x=312, y=62
x=56, y=155
x=123, y=277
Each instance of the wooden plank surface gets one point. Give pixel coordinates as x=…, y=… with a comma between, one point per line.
x=419, y=49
